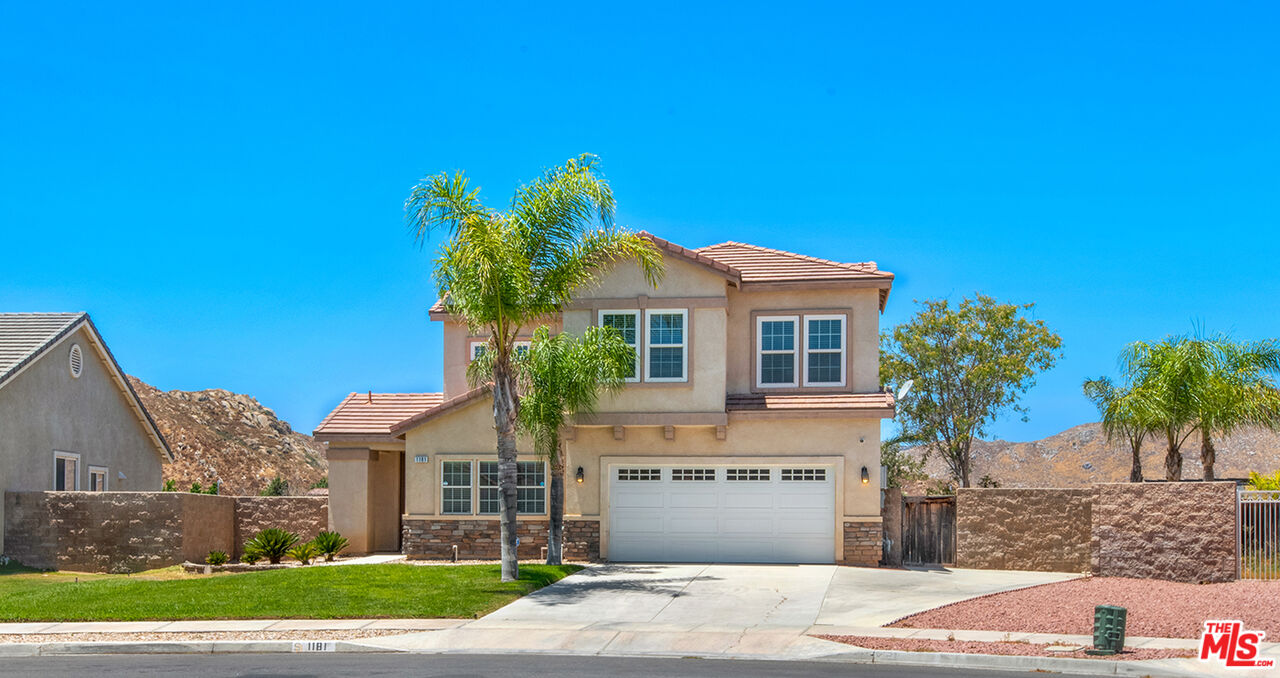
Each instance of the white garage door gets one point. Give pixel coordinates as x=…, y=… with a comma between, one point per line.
x=725, y=514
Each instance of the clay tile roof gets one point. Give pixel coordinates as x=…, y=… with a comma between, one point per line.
x=761, y=264
x=439, y=409
x=24, y=335
x=722, y=267
x=375, y=413
x=875, y=404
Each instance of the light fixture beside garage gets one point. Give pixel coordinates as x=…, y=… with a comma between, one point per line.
x=866, y=477
x=580, y=475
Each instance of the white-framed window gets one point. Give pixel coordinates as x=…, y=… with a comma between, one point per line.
x=824, y=347
x=490, y=502
x=97, y=478
x=627, y=323
x=479, y=346
x=531, y=488
x=455, y=487
x=776, y=350
x=667, y=345
x=66, y=471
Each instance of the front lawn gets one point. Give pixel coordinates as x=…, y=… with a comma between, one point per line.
x=350, y=591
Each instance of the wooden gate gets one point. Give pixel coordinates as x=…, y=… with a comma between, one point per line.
x=929, y=530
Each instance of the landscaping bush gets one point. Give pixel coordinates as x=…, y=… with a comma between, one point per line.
x=250, y=556
x=330, y=544
x=303, y=553
x=1257, y=481
x=216, y=558
x=272, y=543
x=276, y=488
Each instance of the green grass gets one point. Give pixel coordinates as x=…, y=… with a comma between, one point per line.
x=351, y=591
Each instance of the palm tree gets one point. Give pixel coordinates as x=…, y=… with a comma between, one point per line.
x=1238, y=391
x=559, y=376
x=1166, y=378
x=1122, y=418
x=501, y=271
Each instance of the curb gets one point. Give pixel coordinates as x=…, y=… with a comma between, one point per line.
x=1012, y=663
x=62, y=649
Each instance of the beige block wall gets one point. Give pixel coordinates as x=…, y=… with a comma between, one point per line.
x=861, y=305
x=45, y=409
x=1175, y=531
x=1045, y=530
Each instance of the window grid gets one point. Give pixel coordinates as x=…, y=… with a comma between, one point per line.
x=695, y=474
x=490, y=495
x=824, y=350
x=478, y=348
x=747, y=474
x=804, y=474
x=627, y=323
x=531, y=487
x=639, y=474
x=455, y=487
x=776, y=363
x=666, y=345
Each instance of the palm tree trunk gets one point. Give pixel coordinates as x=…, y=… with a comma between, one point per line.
x=504, y=421
x=1173, y=459
x=555, y=533
x=1135, y=471
x=1208, y=455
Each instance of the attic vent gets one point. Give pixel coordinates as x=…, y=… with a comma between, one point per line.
x=77, y=361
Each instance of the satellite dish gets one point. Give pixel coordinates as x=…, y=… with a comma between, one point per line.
x=906, y=388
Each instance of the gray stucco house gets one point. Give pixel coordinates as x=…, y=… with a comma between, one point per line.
x=69, y=420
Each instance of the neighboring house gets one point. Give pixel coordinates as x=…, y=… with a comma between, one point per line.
x=749, y=431
x=69, y=420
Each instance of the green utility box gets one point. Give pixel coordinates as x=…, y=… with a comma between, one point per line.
x=1108, y=629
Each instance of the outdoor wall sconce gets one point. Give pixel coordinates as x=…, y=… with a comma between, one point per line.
x=580, y=476
x=866, y=477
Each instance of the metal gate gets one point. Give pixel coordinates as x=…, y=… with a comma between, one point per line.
x=929, y=531
x=1258, y=521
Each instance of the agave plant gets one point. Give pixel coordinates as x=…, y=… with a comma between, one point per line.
x=304, y=552
x=329, y=544
x=272, y=543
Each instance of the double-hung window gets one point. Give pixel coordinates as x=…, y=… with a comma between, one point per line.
x=824, y=350
x=776, y=356
x=667, y=345
x=531, y=488
x=479, y=347
x=627, y=324
x=455, y=487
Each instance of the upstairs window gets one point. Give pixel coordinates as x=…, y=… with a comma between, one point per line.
x=627, y=323
x=478, y=348
x=776, y=360
x=824, y=350
x=668, y=357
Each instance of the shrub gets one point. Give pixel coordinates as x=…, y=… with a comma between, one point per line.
x=170, y=485
x=303, y=553
x=330, y=544
x=323, y=483
x=272, y=543
x=196, y=488
x=250, y=556
x=1257, y=481
x=276, y=488
x=216, y=558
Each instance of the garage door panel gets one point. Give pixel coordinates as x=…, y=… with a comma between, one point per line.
x=664, y=520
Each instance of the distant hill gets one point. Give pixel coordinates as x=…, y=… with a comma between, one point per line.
x=219, y=435
x=1081, y=455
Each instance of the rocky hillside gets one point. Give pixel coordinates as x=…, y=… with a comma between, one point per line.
x=1081, y=455
x=219, y=435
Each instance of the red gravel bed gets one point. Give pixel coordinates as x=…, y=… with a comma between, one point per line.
x=1000, y=648
x=1159, y=609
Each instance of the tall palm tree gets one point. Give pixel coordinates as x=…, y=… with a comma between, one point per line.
x=1122, y=418
x=501, y=271
x=1238, y=390
x=561, y=375
x=1166, y=378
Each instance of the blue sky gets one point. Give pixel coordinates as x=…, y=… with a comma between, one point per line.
x=221, y=185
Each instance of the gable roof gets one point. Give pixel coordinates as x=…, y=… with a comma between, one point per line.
x=763, y=266
x=375, y=414
x=444, y=407
x=26, y=337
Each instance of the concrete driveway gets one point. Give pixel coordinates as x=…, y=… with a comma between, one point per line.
x=737, y=598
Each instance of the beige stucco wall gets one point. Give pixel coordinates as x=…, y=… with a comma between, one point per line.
x=45, y=409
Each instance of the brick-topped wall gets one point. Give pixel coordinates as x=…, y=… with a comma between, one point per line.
x=1045, y=530
x=863, y=543
x=1176, y=531
x=134, y=531
x=480, y=540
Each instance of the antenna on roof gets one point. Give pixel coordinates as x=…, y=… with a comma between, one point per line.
x=370, y=397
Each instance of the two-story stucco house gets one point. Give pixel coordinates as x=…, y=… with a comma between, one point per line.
x=69, y=420
x=749, y=430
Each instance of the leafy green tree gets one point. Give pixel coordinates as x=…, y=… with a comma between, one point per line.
x=969, y=362
x=560, y=376
x=278, y=487
x=501, y=271
x=901, y=467
x=1123, y=418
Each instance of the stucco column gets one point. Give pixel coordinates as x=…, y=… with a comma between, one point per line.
x=350, y=509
